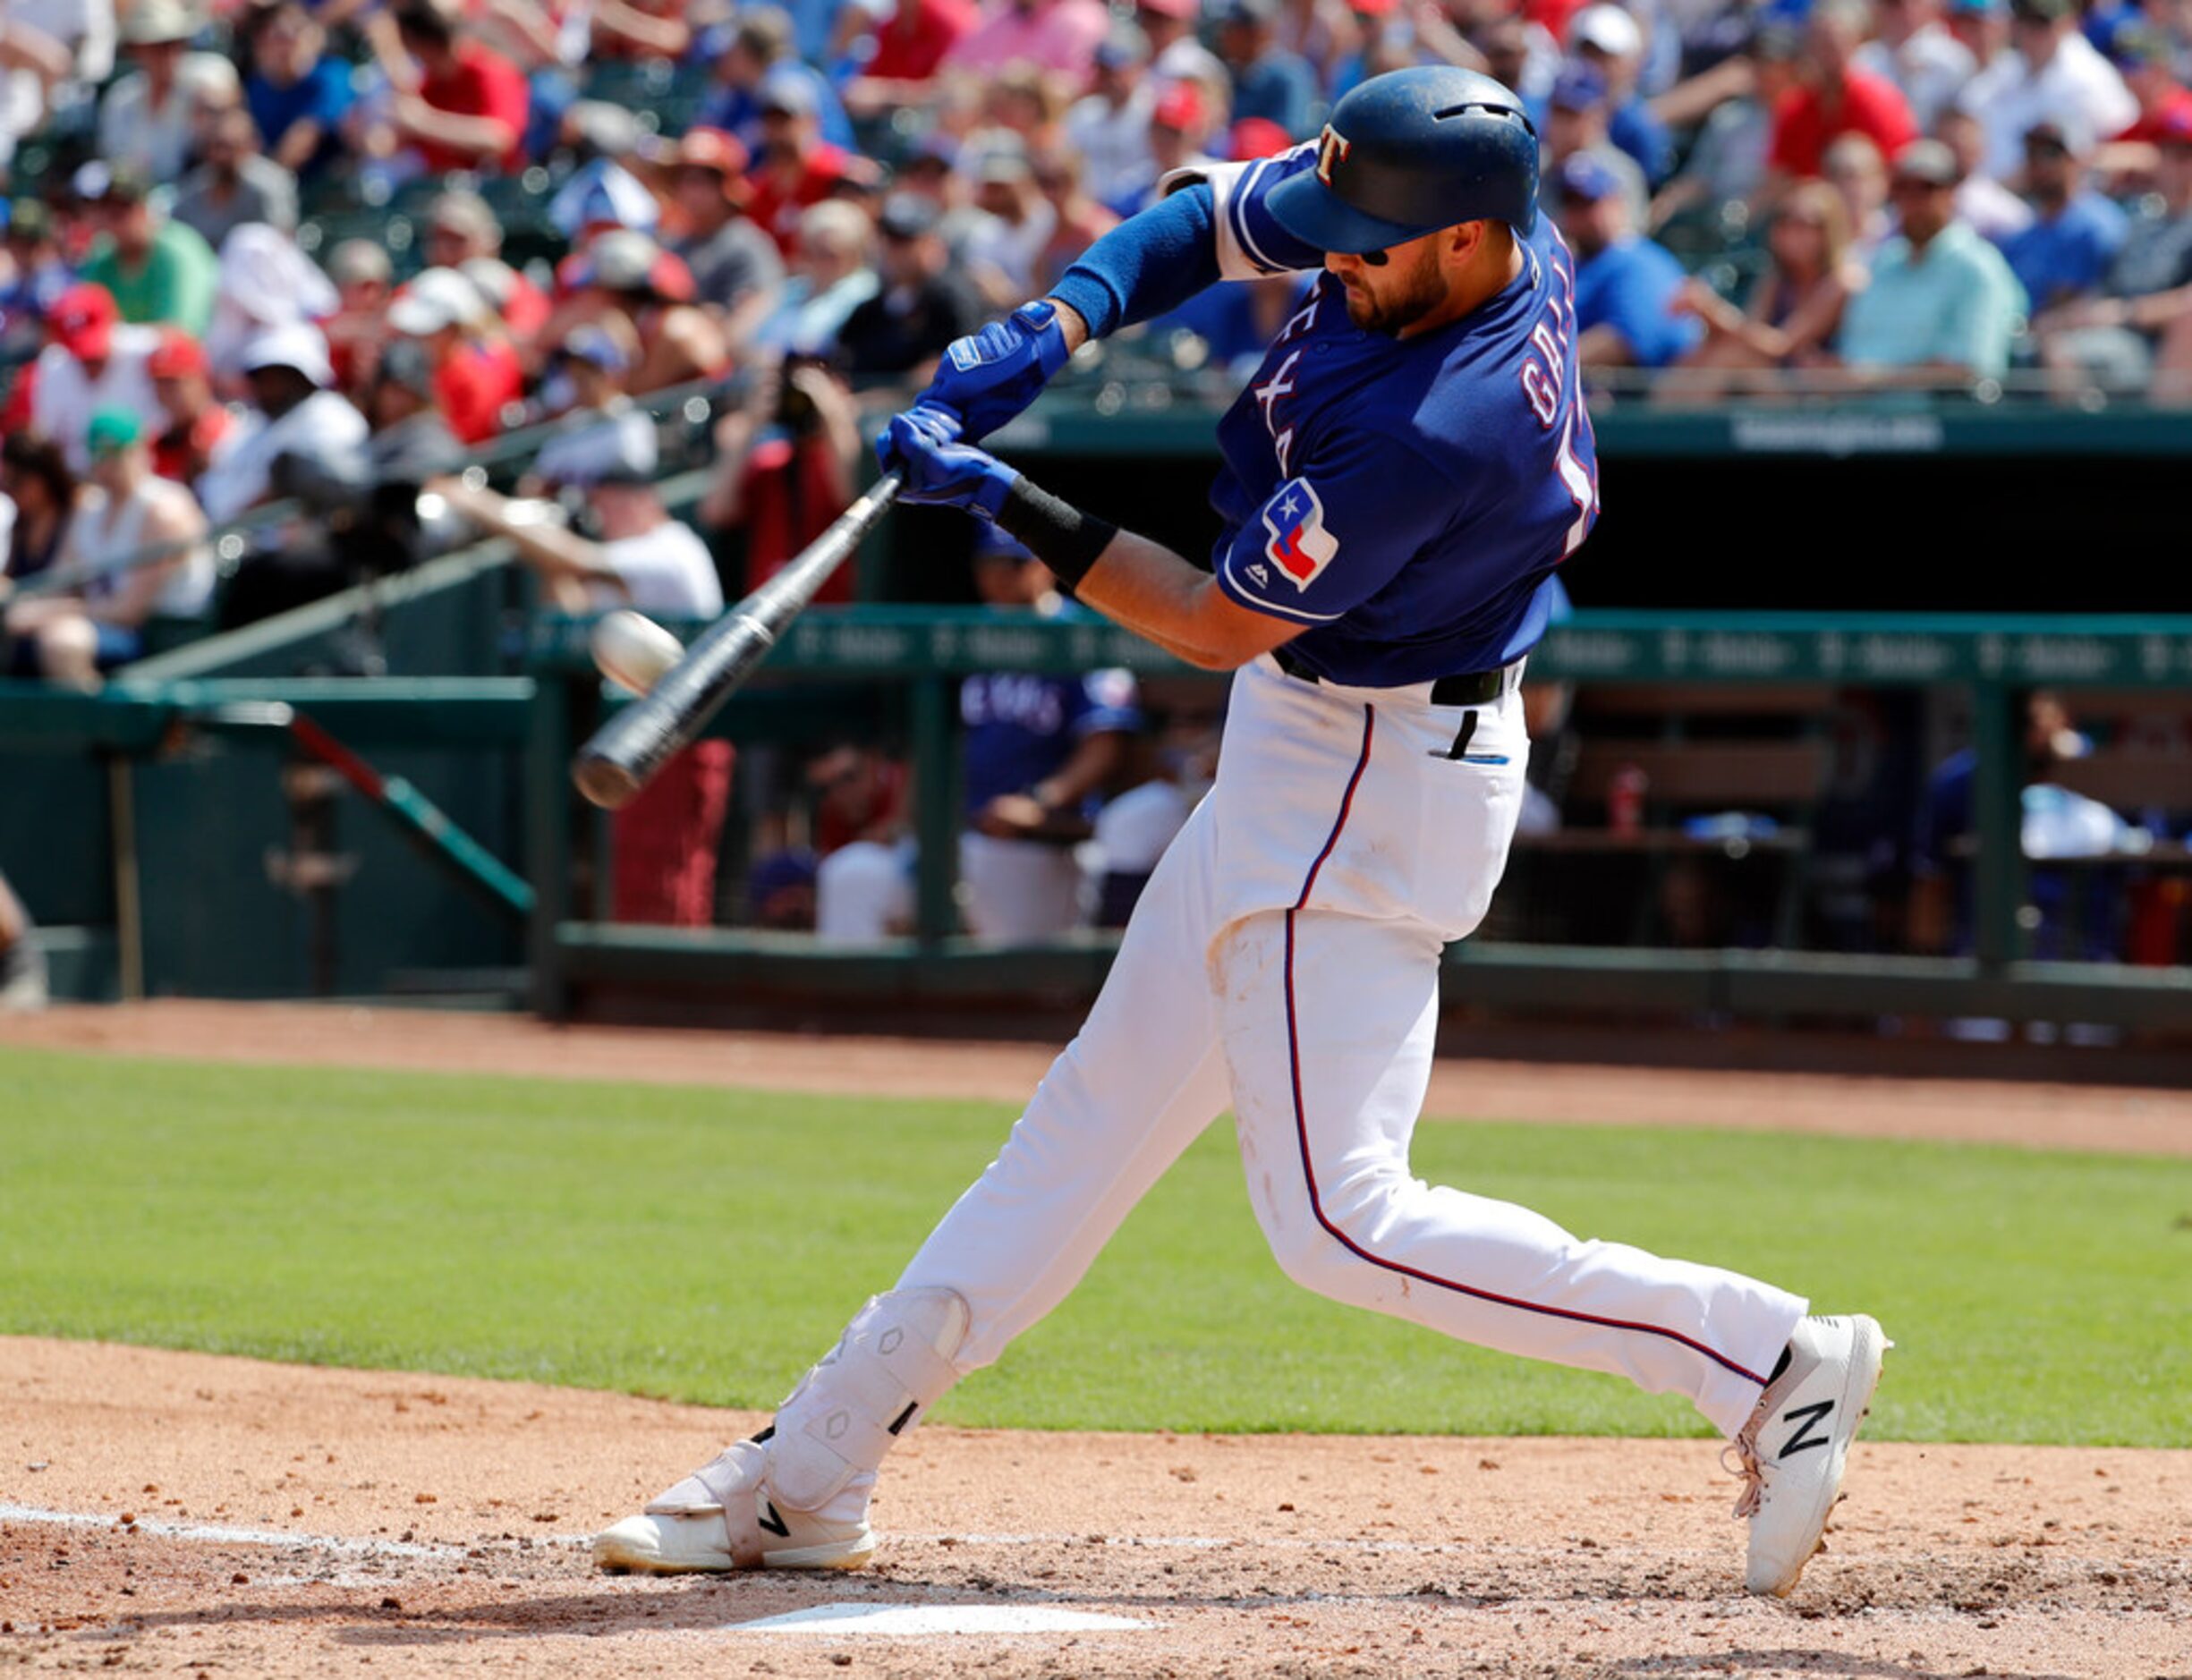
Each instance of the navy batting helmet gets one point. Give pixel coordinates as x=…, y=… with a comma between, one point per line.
x=1408, y=153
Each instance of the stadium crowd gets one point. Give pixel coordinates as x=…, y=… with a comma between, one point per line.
x=246, y=243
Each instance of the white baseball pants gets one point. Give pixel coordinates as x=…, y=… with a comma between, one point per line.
x=1285, y=958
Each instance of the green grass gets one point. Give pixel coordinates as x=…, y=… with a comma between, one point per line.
x=707, y=1244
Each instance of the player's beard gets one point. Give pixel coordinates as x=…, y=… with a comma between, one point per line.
x=1404, y=298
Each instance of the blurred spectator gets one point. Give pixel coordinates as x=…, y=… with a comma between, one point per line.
x=1794, y=310
x=1268, y=80
x=1727, y=161
x=784, y=464
x=1023, y=108
x=603, y=430
x=2139, y=330
x=1943, y=306
x=1856, y=170
x=477, y=374
x=643, y=558
x=2050, y=74
x=297, y=91
x=736, y=268
x=33, y=275
x=627, y=273
x=1002, y=257
x=364, y=281
x=198, y=430
x=22, y=965
x=410, y=443
x=2143, y=56
x=237, y=183
x=123, y=512
x=157, y=270
x=1915, y=50
x=1993, y=211
x=639, y=29
x=92, y=361
x=36, y=481
x=830, y=277
x=1625, y=286
x=600, y=195
x=1179, y=129
x=464, y=106
x=1577, y=120
x=1111, y=127
x=292, y=413
x=463, y=232
x=152, y=119
x=1607, y=40
x=762, y=64
x=1834, y=97
x=909, y=46
x=924, y=303
x=48, y=47
x=1039, y=752
x=1061, y=36
x=1077, y=219
x=794, y=166
x=1175, y=54
x=2075, y=233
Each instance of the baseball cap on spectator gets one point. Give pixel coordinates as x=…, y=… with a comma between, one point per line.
x=1250, y=12
x=593, y=345
x=99, y=181
x=464, y=213
x=1370, y=8
x=1929, y=162
x=294, y=344
x=2048, y=136
x=2040, y=10
x=112, y=429
x=83, y=321
x=1979, y=8
x=2138, y=45
x=1125, y=45
x=407, y=363
x=177, y=356
x=1609, y=30
x=626, y=260
x=1187, y=9
x=1578, y=87
x=906, y=215
x=786, y=92
x=1588, y=177
x=438, y=299
x=713, y=149
x=1005, y=161
x=496, y=280
x=360, y=262
x=623, y=473
x=2174, y=129
x=602, y=193
x=936, y=150
x=1180, y=107
x=29, y=221
x=1255, y=137
x=154, y=23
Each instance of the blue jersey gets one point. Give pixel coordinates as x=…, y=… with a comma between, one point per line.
x=1022, y=726
x=1405, y=499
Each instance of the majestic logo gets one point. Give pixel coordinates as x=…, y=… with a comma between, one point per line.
x=1805, y=1418
x=1299, y=545
x=1332, y=148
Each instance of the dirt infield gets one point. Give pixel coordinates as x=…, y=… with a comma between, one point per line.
x=2154, y=1122
x=182, y=1513
x=245, y=1518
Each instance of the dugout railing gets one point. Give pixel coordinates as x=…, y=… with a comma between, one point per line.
x=923, y=652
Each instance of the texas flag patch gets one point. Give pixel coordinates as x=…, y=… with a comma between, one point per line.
x=1298, y=545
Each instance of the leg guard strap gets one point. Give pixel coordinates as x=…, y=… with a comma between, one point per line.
x=892, y=1363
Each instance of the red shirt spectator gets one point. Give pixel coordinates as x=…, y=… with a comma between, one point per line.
x=2167, y=117
x=1808, y=120
x=198, y=426
x=477, y=83
x=783, y=187
x=912, y=42
x=474, y=384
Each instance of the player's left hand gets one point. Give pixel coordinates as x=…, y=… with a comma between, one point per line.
x=923, y=444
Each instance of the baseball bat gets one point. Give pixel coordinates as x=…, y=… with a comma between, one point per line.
x=627, y=751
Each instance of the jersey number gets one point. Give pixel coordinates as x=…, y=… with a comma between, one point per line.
x=1580, y=482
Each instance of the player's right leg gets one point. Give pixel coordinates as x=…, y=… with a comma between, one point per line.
x=1143, y=1077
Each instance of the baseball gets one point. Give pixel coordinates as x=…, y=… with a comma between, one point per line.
x=633, y=651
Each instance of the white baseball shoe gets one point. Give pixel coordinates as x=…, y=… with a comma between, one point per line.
x=721, y=1518
x=1793, y=1451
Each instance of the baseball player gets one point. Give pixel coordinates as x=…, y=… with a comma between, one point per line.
x=1402, y=476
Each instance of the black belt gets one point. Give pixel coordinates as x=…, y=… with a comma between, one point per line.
x=1478, y=688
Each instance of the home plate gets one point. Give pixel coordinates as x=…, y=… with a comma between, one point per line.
x=923, y=1620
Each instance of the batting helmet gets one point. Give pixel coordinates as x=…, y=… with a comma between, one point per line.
x=1408, y=153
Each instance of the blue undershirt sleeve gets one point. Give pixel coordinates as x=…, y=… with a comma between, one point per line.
x=1150, y=264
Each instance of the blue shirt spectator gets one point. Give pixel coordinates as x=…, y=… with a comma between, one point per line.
x=1268, y=81
x=298, y=92
x=2065, y=251
x=1625, y=284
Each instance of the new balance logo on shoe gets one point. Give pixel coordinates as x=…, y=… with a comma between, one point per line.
x=770, y=1520
x=1805, y=1418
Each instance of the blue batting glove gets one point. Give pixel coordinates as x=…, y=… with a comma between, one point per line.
x=989, y=377
x=941, y=471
